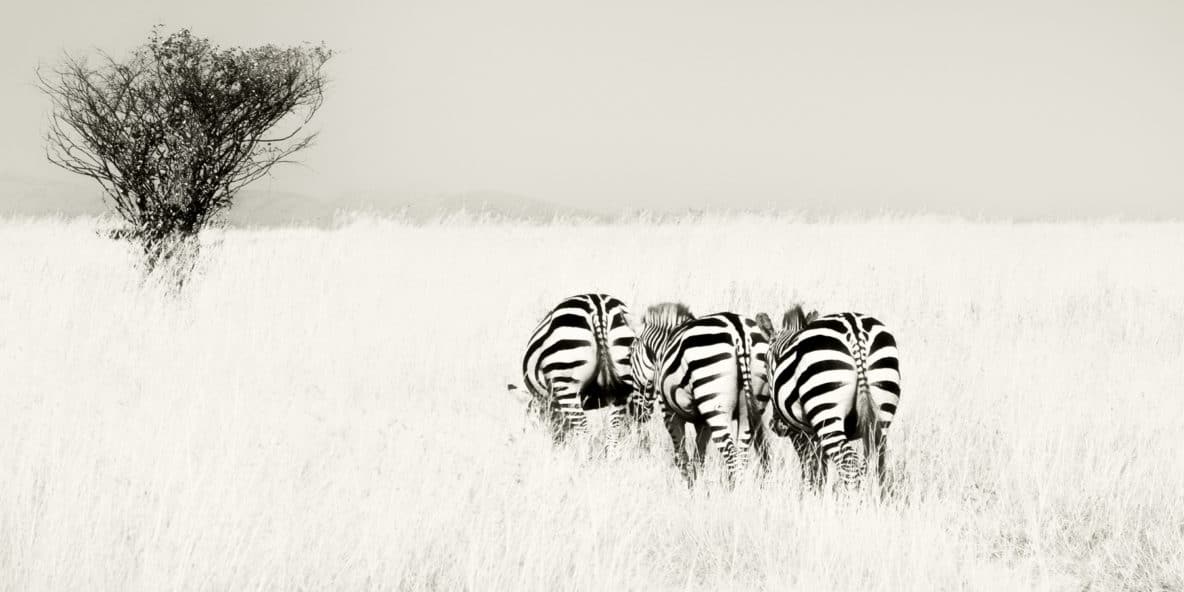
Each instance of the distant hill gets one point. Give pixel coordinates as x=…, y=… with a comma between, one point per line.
x=22, y=196
x=256, y=208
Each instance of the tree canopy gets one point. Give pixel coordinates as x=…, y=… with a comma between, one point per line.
x=174, y=131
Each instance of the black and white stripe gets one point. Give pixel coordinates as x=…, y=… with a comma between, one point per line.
x=705, y=377
x=657, y=326
x=836, y=383
x=578, y=360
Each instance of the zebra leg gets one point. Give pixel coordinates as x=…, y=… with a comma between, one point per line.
x=732, y=457
x=810, y=457
x=850, y=463
x=881, y=462
x=751, y=444
x=883, y=478
x=702, y=438
x=571, y=418
x=719, y=425
x=760, y=447
x=616, y=428
x=677, y=429
x=852, y=466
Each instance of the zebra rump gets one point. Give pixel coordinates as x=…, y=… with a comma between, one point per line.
x=835, y=380
x=577, y=359
x=706, y=376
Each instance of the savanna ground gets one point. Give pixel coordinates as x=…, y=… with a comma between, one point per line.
x=325, y=410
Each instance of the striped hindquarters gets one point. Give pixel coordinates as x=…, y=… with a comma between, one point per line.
x=822, y=373
x=706, y=375
x=578, y=357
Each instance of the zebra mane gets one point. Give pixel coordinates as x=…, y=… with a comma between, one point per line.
x=795, y=319
x=667, y=314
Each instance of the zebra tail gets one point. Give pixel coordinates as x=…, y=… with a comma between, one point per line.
x=868, y=412
x=744, y=424
x=606, y=374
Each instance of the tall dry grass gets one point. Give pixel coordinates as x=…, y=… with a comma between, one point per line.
x=325, y=410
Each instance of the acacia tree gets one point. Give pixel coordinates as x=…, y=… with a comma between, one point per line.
x=174, y=131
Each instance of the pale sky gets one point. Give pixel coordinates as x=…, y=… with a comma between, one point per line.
x=1015, y=107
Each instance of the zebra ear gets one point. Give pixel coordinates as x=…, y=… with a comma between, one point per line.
x=765, y=323
x=810, y=318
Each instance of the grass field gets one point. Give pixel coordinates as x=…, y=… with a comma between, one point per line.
x=325, y=410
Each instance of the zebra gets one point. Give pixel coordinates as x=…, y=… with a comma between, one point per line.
x=835, y=380
x=577, y=360
x=705, y=376
x=657, y=325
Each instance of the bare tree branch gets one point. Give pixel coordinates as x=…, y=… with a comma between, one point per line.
x=174, y=131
